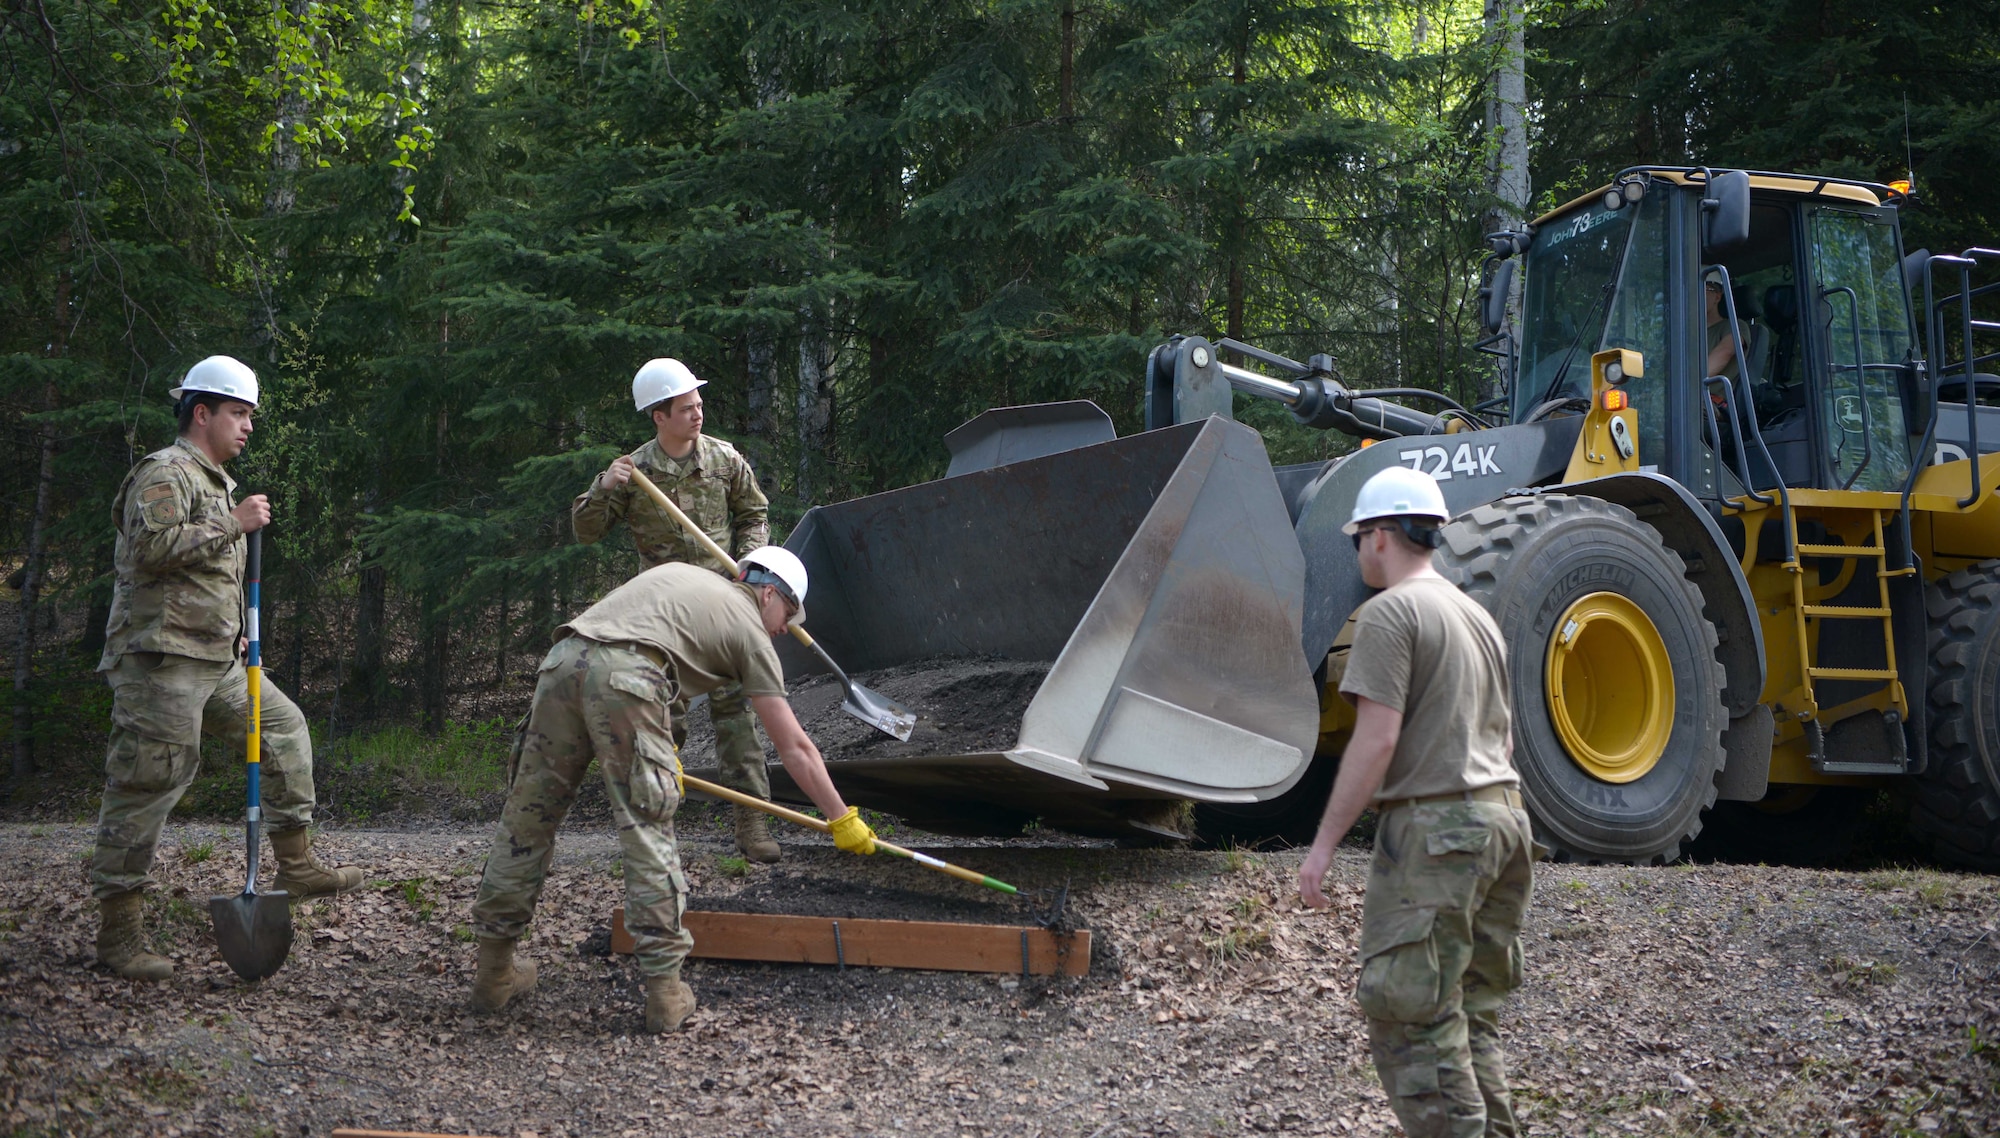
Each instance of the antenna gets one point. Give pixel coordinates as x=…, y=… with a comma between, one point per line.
x=1909, y=160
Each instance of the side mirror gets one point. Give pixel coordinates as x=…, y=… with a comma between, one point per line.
x=1493, y=297
x=1726, y=214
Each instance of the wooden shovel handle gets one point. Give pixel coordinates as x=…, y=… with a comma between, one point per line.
x=706, y=542
x=687, y=523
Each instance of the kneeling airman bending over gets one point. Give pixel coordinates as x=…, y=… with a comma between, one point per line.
x=605, y=691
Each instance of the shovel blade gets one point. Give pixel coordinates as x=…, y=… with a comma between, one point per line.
x=253, y=931
x=883, y=714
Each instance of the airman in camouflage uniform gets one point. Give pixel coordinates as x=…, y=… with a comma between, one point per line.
x=171, y=656
x=605, y=691
x=713, y=484
x=1432, y=747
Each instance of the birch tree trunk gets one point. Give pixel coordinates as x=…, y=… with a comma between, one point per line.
x=815, y=407
x=1506, y=123
x=1507, y=141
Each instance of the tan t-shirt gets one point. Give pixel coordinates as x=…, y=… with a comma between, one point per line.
x=1429, y=651
x=707, y=625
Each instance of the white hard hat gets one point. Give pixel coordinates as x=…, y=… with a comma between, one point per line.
x=776, y=565
x=220, y=375
x=1397, y=492
x=661, y=380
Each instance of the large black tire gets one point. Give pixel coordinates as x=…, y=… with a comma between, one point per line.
x=1527, y=560
x=1956, y=808
x=1793, y=825
x=1290, y=819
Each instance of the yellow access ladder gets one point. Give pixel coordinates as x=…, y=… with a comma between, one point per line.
x=1892, y=702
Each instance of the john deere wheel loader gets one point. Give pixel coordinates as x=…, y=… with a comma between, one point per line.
x=1733, y=516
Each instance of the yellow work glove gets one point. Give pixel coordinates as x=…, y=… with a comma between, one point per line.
x=852, y=834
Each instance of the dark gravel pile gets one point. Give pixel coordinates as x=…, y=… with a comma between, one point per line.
x=963, y=706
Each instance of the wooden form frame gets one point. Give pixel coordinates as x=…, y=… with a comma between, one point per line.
x=944, y=946
x=351, y=1132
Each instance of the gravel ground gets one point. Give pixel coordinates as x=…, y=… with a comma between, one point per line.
x=1687, y=1000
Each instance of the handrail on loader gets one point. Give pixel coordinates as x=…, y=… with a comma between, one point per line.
x=1969, y=359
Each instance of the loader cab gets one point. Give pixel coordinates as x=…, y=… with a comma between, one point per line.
x=1827, y=345
x=1808, y=319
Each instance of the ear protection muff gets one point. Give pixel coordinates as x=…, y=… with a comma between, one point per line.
x=1429, y=537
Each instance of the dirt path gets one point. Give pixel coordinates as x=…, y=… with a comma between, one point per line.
x=1711, y=1000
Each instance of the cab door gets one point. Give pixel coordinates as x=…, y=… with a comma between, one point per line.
x=1863, y=339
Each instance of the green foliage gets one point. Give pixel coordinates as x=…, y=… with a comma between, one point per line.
x=863, y=223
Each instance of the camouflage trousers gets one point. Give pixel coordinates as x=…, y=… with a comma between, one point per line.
x=739, y=753
x=161, y=705
x=1440, y=950
x=609, y=702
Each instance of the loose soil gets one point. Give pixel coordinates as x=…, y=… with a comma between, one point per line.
x=963, y=707
x=805, y=893
x=1726, y=1000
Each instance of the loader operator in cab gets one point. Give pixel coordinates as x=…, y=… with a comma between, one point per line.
x=608, y=691
x=1432, y=750
x=713, y=484
x=1721, y=335
x=173, y=655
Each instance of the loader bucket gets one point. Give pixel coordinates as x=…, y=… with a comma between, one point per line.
x=1145, y=596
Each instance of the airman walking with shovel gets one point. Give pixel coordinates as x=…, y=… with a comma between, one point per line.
x=172, y=656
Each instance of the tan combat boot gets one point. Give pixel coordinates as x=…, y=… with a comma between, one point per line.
x=668, y=1003
x=301, y=874
x=500, y=977
x=753, y=836
x=121, y=939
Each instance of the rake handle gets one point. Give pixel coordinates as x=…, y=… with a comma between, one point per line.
x=812, y=823
x=706, y=542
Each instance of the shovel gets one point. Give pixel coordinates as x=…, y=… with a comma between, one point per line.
x=253, y=930
x=877, y=711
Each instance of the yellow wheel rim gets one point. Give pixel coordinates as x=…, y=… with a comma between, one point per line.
x=1610, y=687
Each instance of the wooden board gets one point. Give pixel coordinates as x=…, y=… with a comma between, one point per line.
x=351, y=1132
x=940, y=945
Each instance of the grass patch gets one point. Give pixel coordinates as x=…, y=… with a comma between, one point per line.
x=460, y=772
x=176, y=920
x=1850, y=973
x=416, y=893
x=198, y=852
x=1929, y=888
x=1237, y=943
x=732, y=865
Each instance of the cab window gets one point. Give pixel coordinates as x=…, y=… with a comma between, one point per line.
x=1861, y=319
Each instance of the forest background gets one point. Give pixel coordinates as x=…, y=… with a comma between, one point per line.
x=446, y=232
